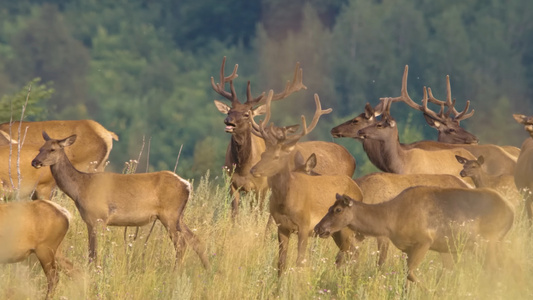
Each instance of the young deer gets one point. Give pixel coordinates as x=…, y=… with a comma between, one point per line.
x=504, y=184
x=426, y=218
x=112, y=199
x=36, y=227
x=299, y=200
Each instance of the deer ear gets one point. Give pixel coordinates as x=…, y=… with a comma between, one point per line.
x=45, y=136
x=461, y=159
x=260, y=110
x=68, y=141
x=432, y=122
x=310, y=164
x=222, y=107
x=520, y=118
x=369, y=111
x=392, y=123
x=480, y=159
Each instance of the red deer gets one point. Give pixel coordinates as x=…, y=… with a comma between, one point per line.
x=37, y=227
x=111, y=199
x=501, y=160
x=502, y=183
x=244, y=149
x=381, y=187
x=426, y=218
x=523, y=176
x=411, y=161
x=37, y=184
x=298, y=200
x=93, y=147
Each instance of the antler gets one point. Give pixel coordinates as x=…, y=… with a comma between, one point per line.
x=275, y=135
x=292, y=86
x=306, y=130
x=458, y=116
x=404, y=97
x=220, y=87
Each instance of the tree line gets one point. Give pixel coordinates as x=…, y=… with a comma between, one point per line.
x=142, y=68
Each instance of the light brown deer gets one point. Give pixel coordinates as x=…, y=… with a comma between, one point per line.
x=523, y=176
x=36, y=227
x=298, y=200
x=411, y=161
x=426, y=218
x=89, y=153
x=111, y=199
x=504, y=184
x=244, y=149
x=36, y=184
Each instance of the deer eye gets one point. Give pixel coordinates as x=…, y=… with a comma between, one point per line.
x=379, y=125
x=337, y=210
x=355, y=121
x=451, y=130
x=247, y=114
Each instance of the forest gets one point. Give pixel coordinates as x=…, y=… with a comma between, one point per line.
x=142, y=68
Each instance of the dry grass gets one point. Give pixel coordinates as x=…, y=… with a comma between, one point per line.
x=244, y=261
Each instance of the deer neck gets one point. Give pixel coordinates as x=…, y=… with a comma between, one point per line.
x=370, y=219
x=241, y=150
x=483, y=180
x=374, y=150
x=67, y=177
x=394, y=156
x=280, y=183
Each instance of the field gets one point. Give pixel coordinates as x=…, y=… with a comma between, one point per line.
x=244, y=258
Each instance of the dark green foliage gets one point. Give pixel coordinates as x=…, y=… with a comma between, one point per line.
x=142, y=68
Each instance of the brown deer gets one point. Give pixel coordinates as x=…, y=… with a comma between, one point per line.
x=426, y=218
x=523, y=176
x=381, y=187
x=34, y=183
x=37, y=227
x=244, y=149
x=111, y=199
x=502, y=183
x=92, y=150
x=298, y=200
x=499, y=160
x=411, y=161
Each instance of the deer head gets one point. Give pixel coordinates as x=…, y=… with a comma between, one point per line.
x=280, y=141
x=51, y=151
x=471, y=167
x=239, y=114
x=351, y=127
x=447, y=124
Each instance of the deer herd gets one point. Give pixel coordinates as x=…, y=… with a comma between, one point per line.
x=427, y=190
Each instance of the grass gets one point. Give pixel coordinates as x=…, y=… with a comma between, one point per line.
x=244, y=258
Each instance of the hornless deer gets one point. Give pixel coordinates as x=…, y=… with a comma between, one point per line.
x=411, y=161
x=34, y=227
x=35, y=183
x=91, y=150
x=244, y=149
x=502, y=183
x=112, y=199
x=426, y=218
x=298, y=200
x=523, y=176
x=380, y=187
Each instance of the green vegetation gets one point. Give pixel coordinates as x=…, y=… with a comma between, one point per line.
x=142, y=68
x=243, y=262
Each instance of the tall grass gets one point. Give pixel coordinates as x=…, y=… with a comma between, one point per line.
x=244, y=256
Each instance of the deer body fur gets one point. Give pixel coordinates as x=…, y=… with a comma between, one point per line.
x=427, y=218
x=36, y=227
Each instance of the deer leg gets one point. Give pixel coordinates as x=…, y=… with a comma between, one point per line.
x=91, y=230
x=346, y=242
x=414, y=258
x=47, y=260
x=383, y=248
x=283, y=239
x=195, y=242
x=235, y=202
x=303, y=237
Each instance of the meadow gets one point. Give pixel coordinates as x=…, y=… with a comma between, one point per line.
x=243, y=255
